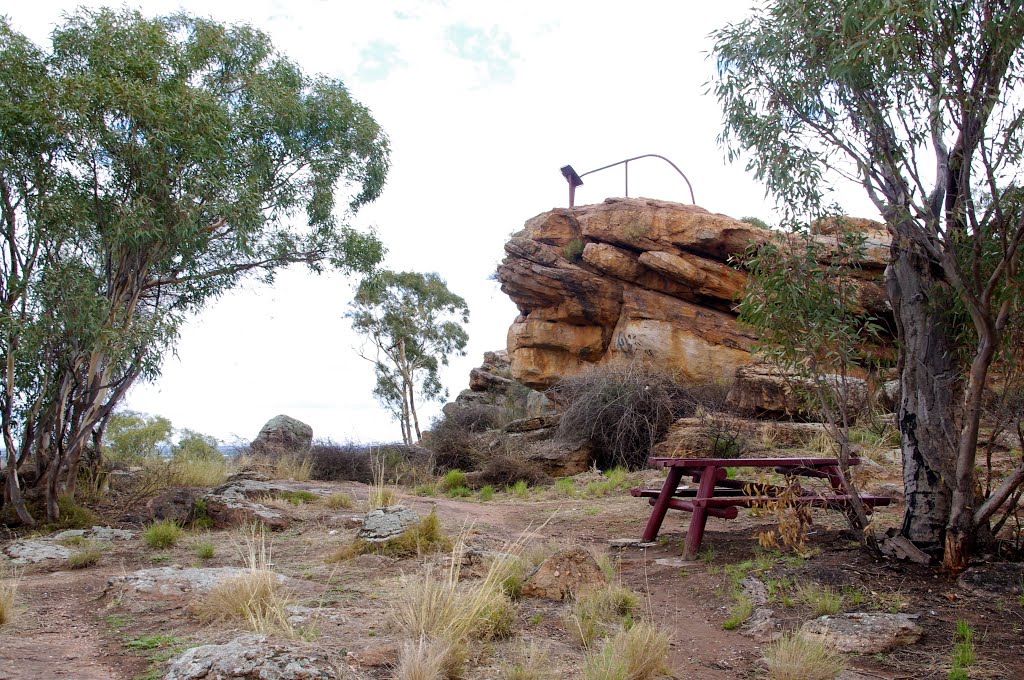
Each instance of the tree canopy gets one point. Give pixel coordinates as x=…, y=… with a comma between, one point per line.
x=146, y=166
x=919, y=102
x=414, y=323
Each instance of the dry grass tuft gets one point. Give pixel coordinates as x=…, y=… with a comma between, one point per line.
x=596, y=611
x=8, y=597
x=257, y=597
x=339, y=501
x=381, y=494
x=86, y=556
x=795, y=657
x=423, y=538
x=530, y=663
x=635, y=653
x=424, y=659
x=298, y=468
x=437, y=606
x=193, y=471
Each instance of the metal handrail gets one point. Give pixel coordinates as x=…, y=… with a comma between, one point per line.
x=576, y=180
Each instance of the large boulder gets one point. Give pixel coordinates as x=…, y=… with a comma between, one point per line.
x=283, y=435
x=765, y=390
x=564, y=575
x=654, y=281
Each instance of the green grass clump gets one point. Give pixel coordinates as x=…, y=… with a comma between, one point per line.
x=963, y=656
x=566, y=487
x=297, y=497
x=459, y=492
x=520, y=489
x=453, y=479
x=616, y=479
x=86, y=556
x=163, y=534
x=200, y=515
x=486, y=493
x=205, y=550
x=427, y=489
x=741, y=611
x=425, y=537
x=821, y=600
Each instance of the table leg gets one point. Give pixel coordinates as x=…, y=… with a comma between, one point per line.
x=661, y=504
x=705, y=490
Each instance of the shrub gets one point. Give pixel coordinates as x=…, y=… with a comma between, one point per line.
x=635, y=653
x=795, y=657
x=622, y=410
x=86, y=556
x=456, y=444
x=506, y=470
x=74, y=516
x=355, y=462
x=163, y=534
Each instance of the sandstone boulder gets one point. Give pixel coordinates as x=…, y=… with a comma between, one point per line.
x=766, y=391
x=564, y=575
x=864, y=633
x=655, y=282
x=283, y=435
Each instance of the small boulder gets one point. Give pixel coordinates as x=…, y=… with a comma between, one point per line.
x=173, y=581
x=177, y=505
x=32, y=551
x=864, y=633
x=560, y=458
x=564, y=575
x=283, y=435
x=382, y=524
x=251, y=657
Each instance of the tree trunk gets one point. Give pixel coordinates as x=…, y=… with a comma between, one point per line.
x=926, y=413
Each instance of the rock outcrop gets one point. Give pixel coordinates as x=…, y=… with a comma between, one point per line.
x=636, y=278
x=283, y=435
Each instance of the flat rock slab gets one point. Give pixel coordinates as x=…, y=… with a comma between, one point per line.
x=623, y=542
x=382, y=524
x=564, y=575
x=865, y=633
x=251, y=657
x=176, y=581
x=678, y=562
x=35, y=550
x=761, y=626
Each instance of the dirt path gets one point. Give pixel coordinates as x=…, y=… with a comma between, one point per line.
x=60, y=635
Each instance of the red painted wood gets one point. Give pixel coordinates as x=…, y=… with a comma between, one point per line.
x=700, y=516
x=687, y=506
x=698, y=463
x=661, y=504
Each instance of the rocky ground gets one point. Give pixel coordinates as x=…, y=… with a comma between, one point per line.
x=134, y=613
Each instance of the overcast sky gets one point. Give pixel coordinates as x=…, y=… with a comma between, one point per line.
x=483, y=102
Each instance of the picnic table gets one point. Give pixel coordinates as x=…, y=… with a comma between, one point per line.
x=718, y=496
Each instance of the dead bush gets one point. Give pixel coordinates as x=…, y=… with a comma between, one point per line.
x=505, y=470
x=455, y=447
x=622, y=410
x=355, y=462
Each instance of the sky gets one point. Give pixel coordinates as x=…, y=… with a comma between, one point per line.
x=483, y=102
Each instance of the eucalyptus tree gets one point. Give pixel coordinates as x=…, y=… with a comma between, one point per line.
x=919, y=102
x=147, y=165
x=414, y=323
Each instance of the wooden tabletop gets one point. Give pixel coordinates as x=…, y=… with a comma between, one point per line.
x=746, y=462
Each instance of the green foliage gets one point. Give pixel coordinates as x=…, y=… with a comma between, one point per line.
x=616, y=479
x=414, y=323
x=963, y=655
x=75, y=516
x=573, y=250
x=520, y=489
x=163, y=534
x=297, y=497
x=205, y=550
x=133, y=437
x=148, y=165
x=756, y=222
x=194, y=445
x=453, y=479
x=486, y=493
x=423, y=538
